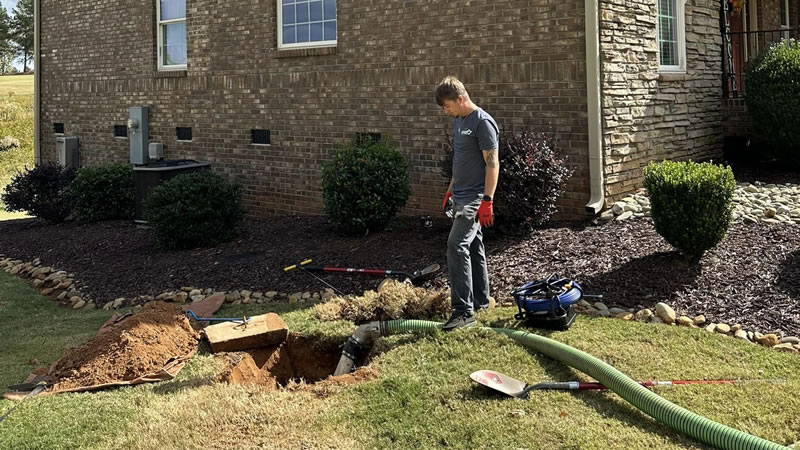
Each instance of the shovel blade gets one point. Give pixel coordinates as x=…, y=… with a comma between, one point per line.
x=500, y=383
x=426, y=273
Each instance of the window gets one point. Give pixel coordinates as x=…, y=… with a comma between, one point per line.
x=785, y=17
x=58, y=128
x=306, y=23
x=171, y=34
x=671, y=36
x=120, y=131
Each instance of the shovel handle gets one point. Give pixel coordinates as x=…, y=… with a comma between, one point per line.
x=295, y=266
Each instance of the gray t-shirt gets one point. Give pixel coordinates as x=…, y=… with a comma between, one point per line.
x=471, y=136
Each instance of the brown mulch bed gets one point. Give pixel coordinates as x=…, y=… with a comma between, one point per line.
x=751, y=278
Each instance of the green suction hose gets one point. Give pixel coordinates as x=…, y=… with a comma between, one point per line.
x=664, y=411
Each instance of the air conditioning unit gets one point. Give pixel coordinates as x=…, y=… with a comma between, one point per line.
x=156, y=151
x=67, y=151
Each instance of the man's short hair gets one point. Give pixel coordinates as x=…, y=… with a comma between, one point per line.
x=449, y=89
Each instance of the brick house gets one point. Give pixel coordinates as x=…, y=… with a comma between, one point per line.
x=313, y=73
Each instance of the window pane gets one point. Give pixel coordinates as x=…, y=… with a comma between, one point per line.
x=330, y=30
x=173, y=9
x=288, y=15
x=174, y=45
x=316, y=11
x=783, y=12
x=316, y=31
x=289, y=34
x=668, y=54
x=288, y=2
x=302, y=12
x=302, y=33
x=329, y=9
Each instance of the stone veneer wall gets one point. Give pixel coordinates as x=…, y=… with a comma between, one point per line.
x=652, y=116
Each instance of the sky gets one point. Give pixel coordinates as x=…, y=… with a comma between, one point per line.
x=9, y=4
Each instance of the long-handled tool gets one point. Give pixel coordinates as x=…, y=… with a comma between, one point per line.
x=519, y=389
x=34, y=388
x=415, y=277
x=193, y=316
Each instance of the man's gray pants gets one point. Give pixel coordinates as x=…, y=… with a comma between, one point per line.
x=466, y=260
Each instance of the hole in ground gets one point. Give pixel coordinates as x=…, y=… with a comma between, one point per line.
x=300, y=359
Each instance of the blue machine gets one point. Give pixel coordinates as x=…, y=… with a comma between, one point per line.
x=548, y=303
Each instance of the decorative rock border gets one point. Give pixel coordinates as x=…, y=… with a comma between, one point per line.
x=664, y=314
x=757, y=202
x=62, y=287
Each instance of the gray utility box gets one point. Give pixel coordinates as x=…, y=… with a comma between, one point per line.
x=147, y=177
x=67, y=151
x=139, y=134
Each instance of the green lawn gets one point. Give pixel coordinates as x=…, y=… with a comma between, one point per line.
x=16, y=120
x=16, y=84
x=423, y=397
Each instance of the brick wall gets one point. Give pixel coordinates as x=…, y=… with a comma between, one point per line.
x=523, y=61
x=736, y=120
x=651, y=116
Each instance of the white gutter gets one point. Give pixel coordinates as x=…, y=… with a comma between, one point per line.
x=596, y=184
x=37, y=149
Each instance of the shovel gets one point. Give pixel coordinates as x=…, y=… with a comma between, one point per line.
x=519, y=389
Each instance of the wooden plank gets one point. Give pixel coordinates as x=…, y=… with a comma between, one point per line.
x=261, y=331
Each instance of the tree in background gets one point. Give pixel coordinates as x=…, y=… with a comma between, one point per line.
x=7, y=50
x=22, y=31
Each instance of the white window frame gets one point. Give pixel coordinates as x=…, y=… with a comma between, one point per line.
x=160, y=43
x=317, y=44
x=680, y=27
x=785, y=23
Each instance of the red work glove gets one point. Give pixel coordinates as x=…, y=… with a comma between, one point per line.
x=486, y=214
x=447, y=196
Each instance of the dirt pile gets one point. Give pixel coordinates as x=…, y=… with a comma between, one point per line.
x=393, y=300
x=139, y=345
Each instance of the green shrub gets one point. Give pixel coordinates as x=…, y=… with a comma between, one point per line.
x=42, y=192
x=195, y=209
x=692, y=204
x=103, y=193
x=533, y=174
x=773, y=98
x=365, y=185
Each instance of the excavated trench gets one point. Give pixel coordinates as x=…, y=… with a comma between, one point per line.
x=301, y=359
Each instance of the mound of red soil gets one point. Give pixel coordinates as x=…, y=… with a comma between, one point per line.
x=140, y=345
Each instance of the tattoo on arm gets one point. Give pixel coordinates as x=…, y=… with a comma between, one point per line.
x=492, y=161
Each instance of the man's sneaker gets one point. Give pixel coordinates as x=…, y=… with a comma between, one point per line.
x=459, y=320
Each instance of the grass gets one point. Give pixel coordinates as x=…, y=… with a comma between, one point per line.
x=16, y=120
x=423, y=397
x=17, y=84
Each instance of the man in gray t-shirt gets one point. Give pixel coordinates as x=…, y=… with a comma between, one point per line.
x=475, y=170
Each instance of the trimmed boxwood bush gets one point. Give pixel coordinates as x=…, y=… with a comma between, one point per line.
x=198, y=209
x=692, y=204
x=365, y=185
x=773, y=98
x=533, y=175
x=42, y=191
x=103, y=193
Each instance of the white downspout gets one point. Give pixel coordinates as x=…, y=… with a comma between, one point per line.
x=37, y=71
x=596, y=184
